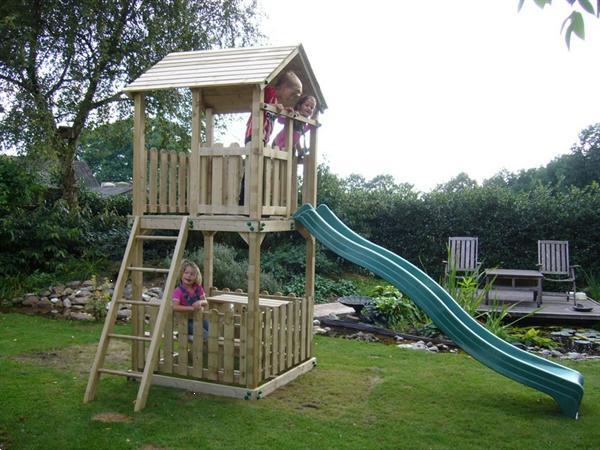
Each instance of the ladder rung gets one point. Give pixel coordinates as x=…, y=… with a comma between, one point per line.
x=151, y=237
x=137, y=302
x=125, y=373
x=148, y=269
x=129, y=337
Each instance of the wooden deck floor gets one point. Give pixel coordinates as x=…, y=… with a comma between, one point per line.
x=554, y=306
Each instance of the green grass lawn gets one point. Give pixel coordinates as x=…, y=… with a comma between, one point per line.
x=360, y=395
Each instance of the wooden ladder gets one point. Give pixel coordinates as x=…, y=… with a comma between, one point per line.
x=135, y=244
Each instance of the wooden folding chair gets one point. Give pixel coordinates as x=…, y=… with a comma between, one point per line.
x=553, y=263
x=463, y=255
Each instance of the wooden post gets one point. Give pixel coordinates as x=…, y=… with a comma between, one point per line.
x=309, y=193
x=309, y=290
x=194, y=173
x=289, y=173
x=209, y=240
x=139, y=155
x=256, y=156
x=254, y=316
x=210, y=127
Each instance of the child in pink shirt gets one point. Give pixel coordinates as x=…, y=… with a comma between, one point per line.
x=305, y=107
x=189, y=295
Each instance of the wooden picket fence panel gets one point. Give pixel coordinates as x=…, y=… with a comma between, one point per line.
x=167, y=182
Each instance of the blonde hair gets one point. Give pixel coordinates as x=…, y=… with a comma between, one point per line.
x=187, y=263
x=288, y=78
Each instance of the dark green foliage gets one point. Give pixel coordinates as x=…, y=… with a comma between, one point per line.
x=326, y=289
x=231, y=271
x=43, y=238
x=508, y=223
x=108, y=148
x=286, y=258
x=64, y=63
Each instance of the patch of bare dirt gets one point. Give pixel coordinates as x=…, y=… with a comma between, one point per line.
x=78, y=358
x=111, y=417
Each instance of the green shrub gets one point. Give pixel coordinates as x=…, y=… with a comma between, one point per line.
x=230, y=271
x=394, y=311
x=286, y=259
x=326, y=289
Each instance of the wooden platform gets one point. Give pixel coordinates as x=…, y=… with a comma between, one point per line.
x=554, y=306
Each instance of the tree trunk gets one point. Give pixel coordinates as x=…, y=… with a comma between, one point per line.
x=67, y=172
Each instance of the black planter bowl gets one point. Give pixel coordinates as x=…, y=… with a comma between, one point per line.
x=357, y=302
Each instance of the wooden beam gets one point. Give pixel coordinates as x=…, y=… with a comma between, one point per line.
x=210, y=127
x=254, y=312
x=209, y=240
x=139, y=155
x=256, y=156
x=194, y=168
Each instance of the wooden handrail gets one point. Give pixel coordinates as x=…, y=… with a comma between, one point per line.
x=296, y=116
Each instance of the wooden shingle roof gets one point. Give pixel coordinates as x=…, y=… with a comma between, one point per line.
x=227, y=76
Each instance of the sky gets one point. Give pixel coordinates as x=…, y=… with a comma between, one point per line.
x=425, y=90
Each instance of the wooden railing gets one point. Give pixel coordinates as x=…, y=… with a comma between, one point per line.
x=219, y=353
x=220, y=174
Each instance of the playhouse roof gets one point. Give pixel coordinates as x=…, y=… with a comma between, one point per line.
x=227, y=76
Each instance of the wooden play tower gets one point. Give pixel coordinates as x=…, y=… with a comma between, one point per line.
x=256, y=342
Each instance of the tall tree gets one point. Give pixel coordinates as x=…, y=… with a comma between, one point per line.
x=64, y=62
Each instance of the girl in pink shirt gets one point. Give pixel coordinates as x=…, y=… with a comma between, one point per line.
x=305, y=107
x=189, y=295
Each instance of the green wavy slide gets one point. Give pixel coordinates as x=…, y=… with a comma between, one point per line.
x=561, y=383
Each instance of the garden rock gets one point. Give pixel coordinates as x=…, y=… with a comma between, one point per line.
x=319, y=330
x=68, y=291
x=31, y=300
x=67, y=303
x=360, y=336
x=316, y=322
x=45, y=303
x=88, y=283
x=81, y=316
x=124, y=314
x=74, y=284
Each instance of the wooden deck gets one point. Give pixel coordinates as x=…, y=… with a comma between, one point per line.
x=554, y=306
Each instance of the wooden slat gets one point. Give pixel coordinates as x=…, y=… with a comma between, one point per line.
x=182, y=341
x=150, y=237
x=172, y=181
x=282, y=338
x=198, y=344
x=268, y=334
x=153, y=181
x=290, y=335
x=232, y=182
x=275, y=334
x=163, y=200
x=304, y=317
x=276, y=183
x=128, y=337
x=228, y=347
x=124, y=373
x=213, y=344
x=217, y=181
x=182, y=179
x=205, y=168
x=268, y=182
x=147, y=269
x=297, y=332
x=243, y=343
x=167, y=366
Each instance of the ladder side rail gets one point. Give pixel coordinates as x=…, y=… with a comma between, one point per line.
x=152, y=357
x=109, y=322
